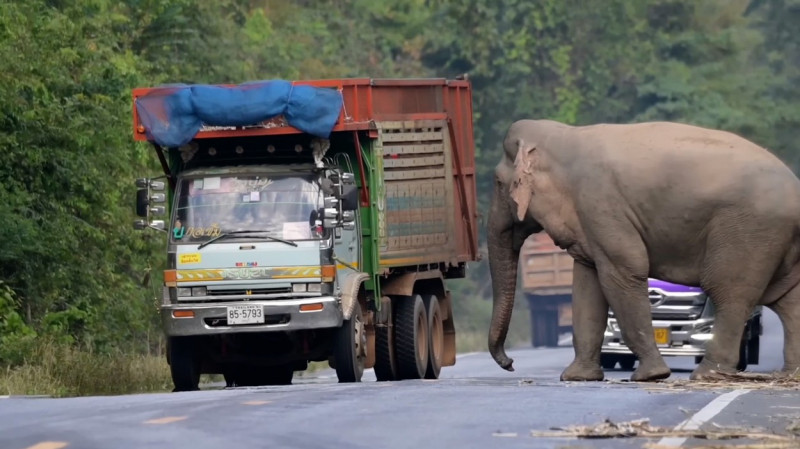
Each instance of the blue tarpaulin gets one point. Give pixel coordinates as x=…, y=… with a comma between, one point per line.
x=173, y=115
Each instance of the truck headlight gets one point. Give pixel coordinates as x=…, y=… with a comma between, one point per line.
x=184, y=291
x=302, y=288
x=199, y=291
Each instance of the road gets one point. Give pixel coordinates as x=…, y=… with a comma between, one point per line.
x=473, y=404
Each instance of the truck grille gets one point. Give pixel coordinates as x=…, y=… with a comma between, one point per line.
x=240, y=294
x=244, y=292
x=664, y=306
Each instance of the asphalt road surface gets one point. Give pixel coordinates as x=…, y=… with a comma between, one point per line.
x=474, y=404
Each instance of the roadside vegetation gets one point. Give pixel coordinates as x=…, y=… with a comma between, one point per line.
x=78, y=286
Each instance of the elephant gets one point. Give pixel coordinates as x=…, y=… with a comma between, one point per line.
x=677, y=202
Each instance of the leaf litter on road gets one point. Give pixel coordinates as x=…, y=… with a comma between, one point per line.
x=750, y=381
x=641, y=428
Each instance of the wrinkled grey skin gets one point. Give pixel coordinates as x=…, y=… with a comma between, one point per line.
x=675, y=202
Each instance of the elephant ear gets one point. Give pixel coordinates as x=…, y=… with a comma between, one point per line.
x=521, y=188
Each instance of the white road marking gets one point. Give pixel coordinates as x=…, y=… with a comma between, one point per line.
x=705, y=414
x=4, y=397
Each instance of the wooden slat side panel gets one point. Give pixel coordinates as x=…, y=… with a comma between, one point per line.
x=418, y=197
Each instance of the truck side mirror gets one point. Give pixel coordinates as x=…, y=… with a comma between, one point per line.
x=349, y=197
x=142, y=202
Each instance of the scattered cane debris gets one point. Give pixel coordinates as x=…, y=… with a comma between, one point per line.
x=794, y=427
x=758, y=445
x=726, y=381
x=641, y=428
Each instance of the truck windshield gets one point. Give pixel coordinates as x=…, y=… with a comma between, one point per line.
x=280, y=205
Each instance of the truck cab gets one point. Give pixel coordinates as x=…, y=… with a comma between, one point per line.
x=683, y=319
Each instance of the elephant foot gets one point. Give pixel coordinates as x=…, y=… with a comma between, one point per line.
x=580, y=372
x=651, y=371
x=710, y=371
x=790, y=372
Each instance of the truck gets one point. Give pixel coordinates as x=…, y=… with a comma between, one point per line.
x=547, y=285
x=309, y=221
x=683, y=320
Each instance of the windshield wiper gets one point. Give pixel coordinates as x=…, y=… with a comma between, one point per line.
x=233, y=233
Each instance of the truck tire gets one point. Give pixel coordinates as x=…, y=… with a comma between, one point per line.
x=626, y=362
x=435, y=337
x=385, y=360
x=742, y=365
x=754, y=342
x=350, y=347
x=545, y=328
x=608, y=361
x=753, y=349
x=411, y=337
x=184, y=363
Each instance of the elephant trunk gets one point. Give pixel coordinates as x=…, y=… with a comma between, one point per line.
x=503, y=262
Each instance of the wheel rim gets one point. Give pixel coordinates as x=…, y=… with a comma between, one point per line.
x=437, y=337
x=359, y=341
x=422, y=339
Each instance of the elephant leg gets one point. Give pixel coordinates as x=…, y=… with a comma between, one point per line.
x=627, y=295
x=732, y=309
x=788, y=310
x=589, y=318
x=735, y=288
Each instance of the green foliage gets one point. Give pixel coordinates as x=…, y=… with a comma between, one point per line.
x=57, y=369
x=473, y=314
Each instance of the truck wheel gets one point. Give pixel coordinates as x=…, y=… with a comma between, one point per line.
x=626, y=362
x=742, y=365
x=753, y=348
x=184, y=363
x=545, y=328
x=350, y=351
x=608, y=361
x=411, y=337
x=552, y=330
x=385, y=361
x=435, y=337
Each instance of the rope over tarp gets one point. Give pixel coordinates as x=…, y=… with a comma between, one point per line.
x=172, y=115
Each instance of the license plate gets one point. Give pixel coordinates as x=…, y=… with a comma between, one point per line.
x=662, y=335
x=249, y=314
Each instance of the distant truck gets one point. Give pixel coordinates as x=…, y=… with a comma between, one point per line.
x=683, y=319
x=547, y=285
x=309, y=221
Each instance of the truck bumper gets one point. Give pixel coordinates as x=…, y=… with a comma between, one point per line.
x=684, y=339
x=686, y=350
x=279, y=315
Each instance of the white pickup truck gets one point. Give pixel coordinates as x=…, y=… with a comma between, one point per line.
x=683, y=318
